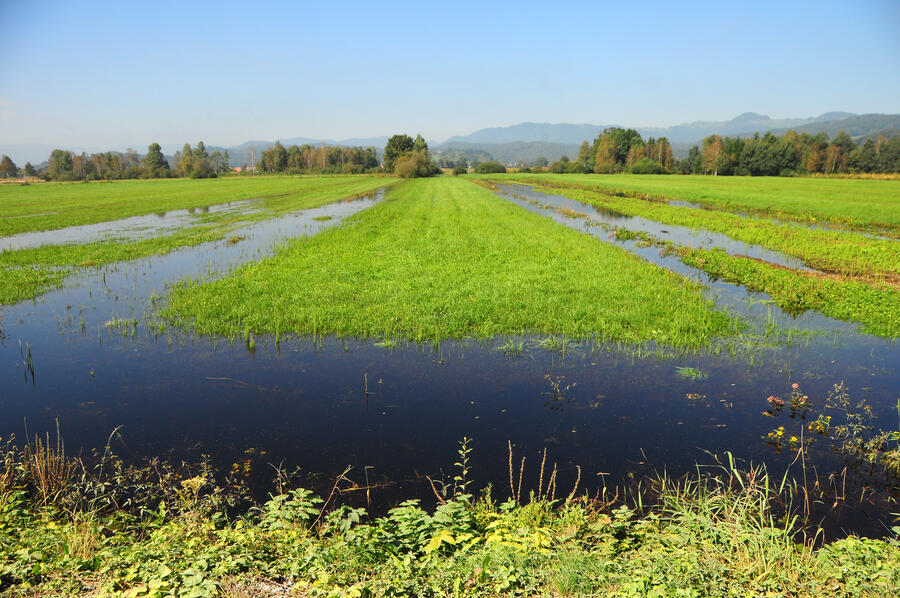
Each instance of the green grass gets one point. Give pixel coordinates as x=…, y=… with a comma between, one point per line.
x=692, y=374
x=855, y=202
x=157, y=532
x=876, y=308
x=24, y=273
x=19, y=284
x=846, y=253
x=443, y=258
x=48, y=206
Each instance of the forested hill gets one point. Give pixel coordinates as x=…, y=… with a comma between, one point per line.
x=859, y=127
x=528, y=152
x=744, y=125
x=544, y=132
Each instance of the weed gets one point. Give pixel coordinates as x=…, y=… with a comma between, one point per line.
x=512, y=348
x=692, y=374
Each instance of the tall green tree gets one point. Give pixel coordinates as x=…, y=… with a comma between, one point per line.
x=59, y=166
x=200, y=151
x=585, y=156
x=29, y=169
x=419, y=145
x=8, y=167
x=397, y=146
x=605, y=155
x=185, y=163
x=155, y=163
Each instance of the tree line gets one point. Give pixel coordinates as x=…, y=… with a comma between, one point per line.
x=322, y=159
x=624, y=150
x=614, y=150
x=792, y=153
x=63, y=165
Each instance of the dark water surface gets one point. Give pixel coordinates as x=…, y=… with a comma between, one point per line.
x=611, y=410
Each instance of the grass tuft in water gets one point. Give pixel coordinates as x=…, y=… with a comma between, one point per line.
x=689, y=373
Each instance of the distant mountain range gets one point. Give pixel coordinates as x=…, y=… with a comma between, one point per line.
x=529, y=141
x=517, y=142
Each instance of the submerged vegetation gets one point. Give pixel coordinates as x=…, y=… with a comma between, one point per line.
x=443, y=258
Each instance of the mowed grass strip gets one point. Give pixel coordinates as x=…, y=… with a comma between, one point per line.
x=845, y=253
x=858, y=203
x=443, y=258
x=50, y=206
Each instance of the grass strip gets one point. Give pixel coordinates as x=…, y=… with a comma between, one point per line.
x=443, y=258
x=876, y=308
x=19, y=284
x=50, y=206
x=24, y=274
x=846, y=253
x=858, y=203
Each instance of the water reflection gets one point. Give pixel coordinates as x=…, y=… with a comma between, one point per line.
x=126, y=229
x=398, y=413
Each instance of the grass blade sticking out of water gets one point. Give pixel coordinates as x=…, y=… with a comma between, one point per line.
x=443, y=258
x=557, y=344
x=512, y=348
x=689, y=373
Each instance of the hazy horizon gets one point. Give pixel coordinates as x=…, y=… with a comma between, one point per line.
x=106, y=75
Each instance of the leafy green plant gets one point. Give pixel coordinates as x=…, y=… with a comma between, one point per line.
x=295, y=509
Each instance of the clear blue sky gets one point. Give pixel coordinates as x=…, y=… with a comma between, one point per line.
x=120, y=73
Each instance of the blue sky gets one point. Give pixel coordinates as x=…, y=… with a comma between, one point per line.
x=109, y=74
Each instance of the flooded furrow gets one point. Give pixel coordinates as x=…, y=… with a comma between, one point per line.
x=134, y=228
x=681, y=235
x=756, y=308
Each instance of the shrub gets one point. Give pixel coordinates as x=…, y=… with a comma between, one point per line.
x=647, y=166
x=414, y=165
x=490, y=167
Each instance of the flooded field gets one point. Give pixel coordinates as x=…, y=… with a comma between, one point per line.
x=96, y=355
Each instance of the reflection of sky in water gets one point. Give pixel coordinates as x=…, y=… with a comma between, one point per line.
x=125, y=229
x=305, y=403
x=682, y=235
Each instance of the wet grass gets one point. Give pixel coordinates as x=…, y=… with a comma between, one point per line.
x=26, y=273
x=443, y=258
x=858, y=203
x=19, y=284
x=876, y=308
x=846, y=253
x=49, y=206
